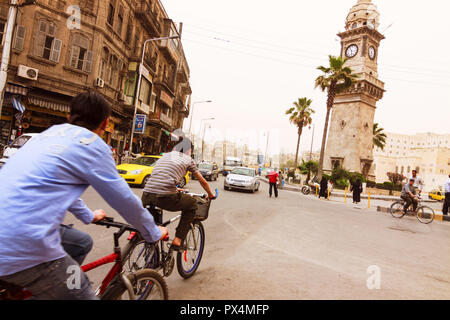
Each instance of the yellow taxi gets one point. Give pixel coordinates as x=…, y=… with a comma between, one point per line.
x=139, y=171
x=436, y=195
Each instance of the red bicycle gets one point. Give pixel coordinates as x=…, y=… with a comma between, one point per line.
x=144, y=284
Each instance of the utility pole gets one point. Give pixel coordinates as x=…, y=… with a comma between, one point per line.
x=7, y=50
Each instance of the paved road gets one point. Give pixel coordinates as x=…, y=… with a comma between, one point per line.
x=298, y=247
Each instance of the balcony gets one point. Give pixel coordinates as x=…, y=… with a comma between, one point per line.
x=167, y=82
x=148, y=18
x=170, y=47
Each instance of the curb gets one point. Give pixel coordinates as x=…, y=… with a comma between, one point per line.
x=342, y=195
x=439, y=217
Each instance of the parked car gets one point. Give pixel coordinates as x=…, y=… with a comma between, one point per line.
x=18, y=143
x=436, y=195
x=139, y=171
x=209, y=171
x=242, y=179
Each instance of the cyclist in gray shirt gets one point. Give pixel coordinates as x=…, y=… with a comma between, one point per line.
x=409, y=195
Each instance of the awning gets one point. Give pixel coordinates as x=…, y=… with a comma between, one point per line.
x=18, y=105
x=13, y=89
x=43, y=103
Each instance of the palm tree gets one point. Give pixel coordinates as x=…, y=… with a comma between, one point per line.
x=379, y=137
x=300, y=115
x=335, y=79
x=308, y=168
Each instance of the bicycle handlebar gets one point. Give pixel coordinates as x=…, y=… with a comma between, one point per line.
x=109, y=223
x=201, y=195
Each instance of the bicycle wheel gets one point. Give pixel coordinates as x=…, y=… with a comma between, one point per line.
x=189, y=260
x=147, y=285
x=397, y=210
x=142, y=255
x=425, y=215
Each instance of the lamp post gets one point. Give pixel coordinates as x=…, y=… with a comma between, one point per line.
x=204, y=132
x=312, y=141
x=192, y=114
x=12, y=14
x=138, y=87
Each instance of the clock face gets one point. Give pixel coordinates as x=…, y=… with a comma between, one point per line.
x=351, y=51
x=372, y=53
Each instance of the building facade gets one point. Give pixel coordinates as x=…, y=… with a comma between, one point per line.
x=61, y=48
x=427, y=153
x=350, y=143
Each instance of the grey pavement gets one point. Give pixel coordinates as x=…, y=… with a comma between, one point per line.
x=298, y=247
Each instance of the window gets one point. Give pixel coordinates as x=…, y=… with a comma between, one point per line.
x=46, y=45
x=19, y=38
x=81, y=57
x=145, y=94
x=87, y=4
x=119, y=21
x=129, y=32
x=111, y=11
x=2, y=30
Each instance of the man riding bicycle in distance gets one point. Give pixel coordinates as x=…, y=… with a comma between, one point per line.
x=44, y=180
x=161, y=189
x=409, y=195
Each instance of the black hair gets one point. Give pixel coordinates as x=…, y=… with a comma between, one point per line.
x=183, y=144
x=89, y=109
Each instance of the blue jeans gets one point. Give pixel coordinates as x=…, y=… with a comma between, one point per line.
x=53, y=281
x=76, y=243
x=48, y=281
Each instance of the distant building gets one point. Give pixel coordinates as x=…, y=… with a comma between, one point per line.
x=427, y=153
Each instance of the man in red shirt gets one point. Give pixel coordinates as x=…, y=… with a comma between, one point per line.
x=273, y=181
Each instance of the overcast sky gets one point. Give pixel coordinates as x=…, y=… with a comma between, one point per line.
x=253, y=58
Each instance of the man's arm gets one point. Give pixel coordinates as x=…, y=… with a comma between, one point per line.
x=204, y=184
x=104, y=178
x=82, y=212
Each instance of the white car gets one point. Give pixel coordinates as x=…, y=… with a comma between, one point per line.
x=242, y=179
x=10, y=150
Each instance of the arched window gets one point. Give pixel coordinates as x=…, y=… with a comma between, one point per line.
x=81, y=56
x=46, y=45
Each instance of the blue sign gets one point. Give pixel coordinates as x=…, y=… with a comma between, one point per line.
x=139, y=126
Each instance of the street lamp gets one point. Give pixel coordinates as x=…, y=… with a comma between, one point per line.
x=204, y=132
x=138, y=88
x=192, y=114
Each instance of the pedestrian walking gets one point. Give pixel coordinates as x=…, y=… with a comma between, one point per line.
x=447, y=197
x=357, y=189
x=280, y=180
x=273, y=181
x=323, y=188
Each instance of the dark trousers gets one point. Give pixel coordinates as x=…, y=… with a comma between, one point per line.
x=446, y=204
x=410, y=201
x=76, y=243
x=174, y=203
x=61, y=279
x=273, y=186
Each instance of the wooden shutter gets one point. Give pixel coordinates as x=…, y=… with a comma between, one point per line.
x=74, y=56
x=56, y=50
x=19, y=38
x=87, y=67
x=39, y=42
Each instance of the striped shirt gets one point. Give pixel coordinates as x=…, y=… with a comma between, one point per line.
x=169, y=171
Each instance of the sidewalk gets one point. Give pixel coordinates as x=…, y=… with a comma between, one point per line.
x=382, y=203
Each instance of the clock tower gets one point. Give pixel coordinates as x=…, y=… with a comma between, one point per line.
x=350, y=138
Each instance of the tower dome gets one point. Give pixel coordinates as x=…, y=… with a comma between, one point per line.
x=364, y=13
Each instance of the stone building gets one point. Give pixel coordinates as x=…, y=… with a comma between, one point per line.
x=350, y=143
x=427, y=153
x=54, y=57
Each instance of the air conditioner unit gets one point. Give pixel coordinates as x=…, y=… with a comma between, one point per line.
x=27, y=72
x=99, y=82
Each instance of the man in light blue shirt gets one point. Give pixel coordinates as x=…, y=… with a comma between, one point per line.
x=43, y=181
